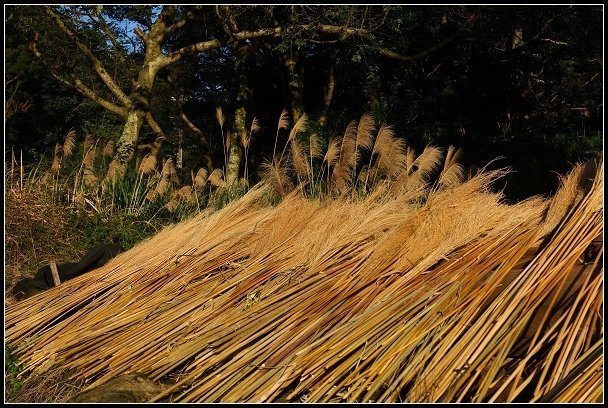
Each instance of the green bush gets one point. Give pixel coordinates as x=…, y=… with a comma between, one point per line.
x=12, y=369
x=119, y=228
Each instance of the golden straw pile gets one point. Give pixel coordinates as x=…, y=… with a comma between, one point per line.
x=462, y=299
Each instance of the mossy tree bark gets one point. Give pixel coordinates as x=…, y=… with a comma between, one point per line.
x=329, y=91
x=243, y=98
x=295, y=84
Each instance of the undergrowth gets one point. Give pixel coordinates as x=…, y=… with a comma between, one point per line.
x=12, y=368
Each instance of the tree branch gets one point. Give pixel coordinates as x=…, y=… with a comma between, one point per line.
x=331, y=29
x=140, y=33
x=79, y=86
x=108, y=32
x=160, y=135
x=184, y=117
x=97, y=65
x=184, y=20
x=165, y=20
x=261, y=33
x=231, y=19
x=409, y=58
x=225, y=27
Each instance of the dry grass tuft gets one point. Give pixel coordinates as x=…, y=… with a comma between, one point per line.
x=147, y=165
x=112, y=172
x=572, y=188
x=283, y=120
x=253, y=129
x=283, y=124
x=332, y=153
x=88, y=143
x=299, y=159
x=88, y=166
x=35, y=227
x=108, y=149
x=429, y=160
x=365, y=132
x=342, y=175
x=69, y=143
x=89, y=157
x=216, y=178
x=57, y=158
x=314, y=147
x=201, y=178
x=166, y=181
x=452, y=172
x=219, y=115
x=276, y=175
x=54, y=386
x=389, y=152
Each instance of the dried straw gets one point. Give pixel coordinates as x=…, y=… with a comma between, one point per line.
x=462, y=299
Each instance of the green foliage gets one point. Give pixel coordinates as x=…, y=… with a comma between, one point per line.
x=119, y=228
x=127, y=194
x=12, y=369
x=223, y=196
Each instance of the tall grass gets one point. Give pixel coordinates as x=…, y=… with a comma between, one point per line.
x=458, y=298
x=76, y=176
x=351, y=165
x=357, y=162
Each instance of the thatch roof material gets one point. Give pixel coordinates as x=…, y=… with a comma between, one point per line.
x=464, y=298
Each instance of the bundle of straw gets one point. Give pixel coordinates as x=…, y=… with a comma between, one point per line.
x=462, y=299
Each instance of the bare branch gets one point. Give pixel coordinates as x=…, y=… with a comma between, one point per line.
x=222, y=22
x=140, y=33
x=160, y=135
x=97, y=65
x=331, y=29
x=261, y=33
x=77, y=84
x=409, y=58
x=231, y=19
x=554, y=41
x=108, y=32
x=167, y=14
x=184, y=117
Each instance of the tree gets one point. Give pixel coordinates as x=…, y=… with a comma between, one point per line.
x=156, y=25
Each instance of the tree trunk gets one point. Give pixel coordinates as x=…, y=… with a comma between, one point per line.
x=329, y=94
x=234, y=159
x=139, y=107
x=125, y=146
x=295, y=85
x=240, y=115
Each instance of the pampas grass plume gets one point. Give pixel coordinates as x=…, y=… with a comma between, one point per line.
x=108, y=149
x=148, y=164
x=69, y=143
